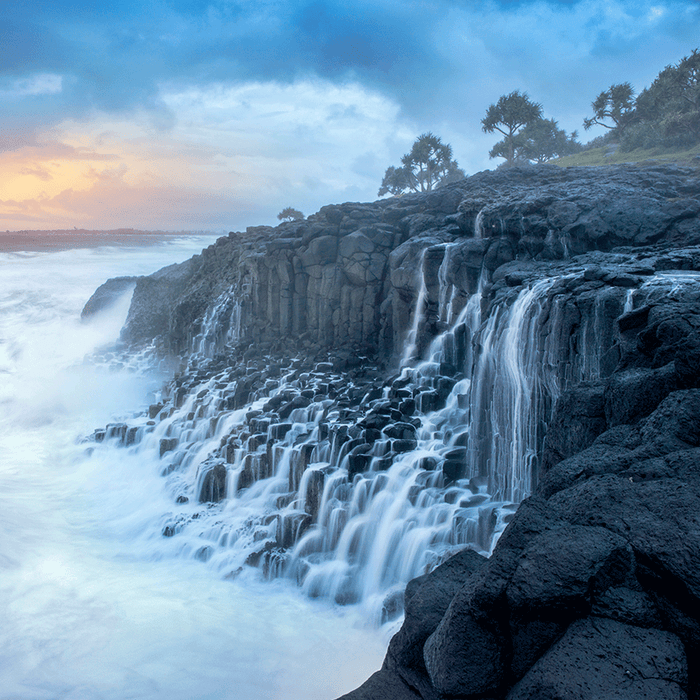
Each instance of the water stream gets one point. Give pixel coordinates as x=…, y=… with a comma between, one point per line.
x=352, y=498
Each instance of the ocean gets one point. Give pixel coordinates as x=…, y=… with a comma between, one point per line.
x=95, y=604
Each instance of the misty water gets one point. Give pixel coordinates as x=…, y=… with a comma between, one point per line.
x=93, y=603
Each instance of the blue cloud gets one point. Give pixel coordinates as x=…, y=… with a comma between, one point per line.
x=436, y=57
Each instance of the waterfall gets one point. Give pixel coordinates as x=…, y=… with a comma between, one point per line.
x=221, y=326
x=352, y=490
x=418, y=315
x=479, y=224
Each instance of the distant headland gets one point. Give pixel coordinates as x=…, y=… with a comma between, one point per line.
x=62, y=239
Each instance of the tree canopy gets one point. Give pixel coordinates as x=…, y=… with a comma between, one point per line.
x=617, y=104
x=668, y=110
x=508, y=116
x=290, y=214
x=428, y=165
x=539, y=141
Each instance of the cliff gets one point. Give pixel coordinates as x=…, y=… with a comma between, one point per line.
x=548, y=325
x=346, y=277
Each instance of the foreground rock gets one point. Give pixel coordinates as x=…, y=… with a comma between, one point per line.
x=593, y=591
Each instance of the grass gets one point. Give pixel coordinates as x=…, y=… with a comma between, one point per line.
x=610, y=155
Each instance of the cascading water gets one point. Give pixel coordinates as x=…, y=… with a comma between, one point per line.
x=411, y=345
x=350, y=491
x=220, y=327
x=479, y=224
x=95, y=603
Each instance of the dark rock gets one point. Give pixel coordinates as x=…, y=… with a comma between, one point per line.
x=167, y=445
x=635, y=393
x=293, y=290
x=279, y=430
x=404, y=445
x=213, y=483
x=400, y=431
x=453, y=469
x=464, y=656
x=383, y=685
x=106, y=295
x=579, y=419
x=426, y=601
x=599, y=658
x=633, y=607
x=358, y=463
x=553, y=583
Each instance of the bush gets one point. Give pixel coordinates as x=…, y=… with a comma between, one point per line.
x=290, y=214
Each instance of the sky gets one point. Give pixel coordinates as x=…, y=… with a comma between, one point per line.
x=217, y=114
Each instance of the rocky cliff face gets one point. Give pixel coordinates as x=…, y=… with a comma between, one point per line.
x=348, y=277
x=548, y=326
x=592, y=591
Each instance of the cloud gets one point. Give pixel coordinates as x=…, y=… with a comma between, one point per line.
x=425, y=55
x=40, y=84
x=236, y=155
x=26, y=146
x=246, y=106
x=41, y=173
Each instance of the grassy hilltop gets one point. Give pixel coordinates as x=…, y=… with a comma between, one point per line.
x=610, y=154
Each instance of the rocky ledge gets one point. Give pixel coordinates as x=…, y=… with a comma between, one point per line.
x=593, y=590
x=346, y=277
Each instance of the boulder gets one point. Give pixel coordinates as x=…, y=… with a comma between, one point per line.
x=599, y=658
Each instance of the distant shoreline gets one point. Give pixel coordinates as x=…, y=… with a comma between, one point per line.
x=64, y=239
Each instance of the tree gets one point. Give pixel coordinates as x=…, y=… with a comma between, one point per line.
x=428, y=165
x=290, y=214
x=669, y=109
x=511, y=113
x=616, y=103
x=542, y=139
x=539, y=141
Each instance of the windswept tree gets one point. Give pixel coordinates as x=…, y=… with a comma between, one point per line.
x=428, y=165
x=290, y=214
x=615, y=104
x=508, y=116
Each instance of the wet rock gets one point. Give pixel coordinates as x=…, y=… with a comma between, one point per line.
x=404, y=445
x=358, y=463
x=400, y=431
x=383, y=685
x=107, y=294
x=314, y=492
x=579, y=420
x=116, y=430
x=167, y=445
x=213, y=483
x=291, y=527
x=426, y=601
x=133, y=435
x=279, y=430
